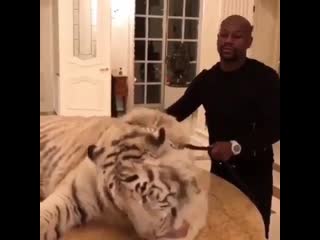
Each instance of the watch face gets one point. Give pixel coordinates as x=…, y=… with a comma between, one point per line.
x=236, y=148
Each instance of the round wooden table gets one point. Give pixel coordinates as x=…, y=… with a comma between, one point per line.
x=232, y=216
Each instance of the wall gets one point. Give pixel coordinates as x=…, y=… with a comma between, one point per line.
x=56, y=65
x=46, y=81
x=266, y=43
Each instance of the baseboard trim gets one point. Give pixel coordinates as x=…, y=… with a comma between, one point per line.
x=48, y=113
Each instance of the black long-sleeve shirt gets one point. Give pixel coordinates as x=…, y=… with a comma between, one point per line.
x=243, y=105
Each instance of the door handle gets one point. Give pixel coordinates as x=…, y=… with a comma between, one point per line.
x=104, y=69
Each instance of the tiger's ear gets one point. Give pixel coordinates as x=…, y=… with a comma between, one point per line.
x=157, y=141
x=94, y=153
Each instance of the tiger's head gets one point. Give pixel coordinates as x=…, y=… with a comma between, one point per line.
x=155, y=119
x=146, y=177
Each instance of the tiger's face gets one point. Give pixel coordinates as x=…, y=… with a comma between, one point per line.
x=143, y=175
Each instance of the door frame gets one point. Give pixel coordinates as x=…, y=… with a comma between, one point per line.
x=49, y=104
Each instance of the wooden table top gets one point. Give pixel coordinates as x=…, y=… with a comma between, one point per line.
x=231, y=216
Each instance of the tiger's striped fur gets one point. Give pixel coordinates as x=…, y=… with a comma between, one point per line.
x=100, y=167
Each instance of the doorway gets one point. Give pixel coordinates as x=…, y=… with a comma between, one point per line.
x=75, y=75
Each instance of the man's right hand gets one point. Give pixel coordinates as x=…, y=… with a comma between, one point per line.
x=221, y=151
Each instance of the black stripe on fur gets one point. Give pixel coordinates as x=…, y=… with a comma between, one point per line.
x=108, y=195
x=50, y=154
x=98, y=199
x=128, y=157
x=42, y=136
x=47, y=152
x=112, y=154
x=137, y=187
x=122, y=150
x=106, y=165
x=174, y=212
x=150, y=175
x=144, y=186
x=129, y=147
x=131, y=178
x=46, y=219
x=156, y=187
x=57, y=227
x=68, y=214
x=55, y=163
x=131, y=135
x=80, y=209
x=43, y=145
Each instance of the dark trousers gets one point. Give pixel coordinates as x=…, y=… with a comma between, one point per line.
x=254, y=180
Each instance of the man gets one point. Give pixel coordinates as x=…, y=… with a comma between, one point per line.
x=241, y=97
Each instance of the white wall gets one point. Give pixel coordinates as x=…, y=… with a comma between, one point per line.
x=266, y=42
x=46, y=54
x=56, y=66
x=208, y=33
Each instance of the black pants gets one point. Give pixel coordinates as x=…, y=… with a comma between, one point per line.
x=253, y=180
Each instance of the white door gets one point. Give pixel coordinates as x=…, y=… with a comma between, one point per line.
x=84, y=87
x=46, y=80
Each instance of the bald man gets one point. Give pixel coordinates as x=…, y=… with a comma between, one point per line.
x=241, y=98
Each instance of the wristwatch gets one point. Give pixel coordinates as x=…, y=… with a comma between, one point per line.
x=235, y=147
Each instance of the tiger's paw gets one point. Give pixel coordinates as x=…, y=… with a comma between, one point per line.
x=180, y=232
x=44, y=227
x=47, y=233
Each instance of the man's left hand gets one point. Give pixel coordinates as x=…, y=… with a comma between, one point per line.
x=221, y=151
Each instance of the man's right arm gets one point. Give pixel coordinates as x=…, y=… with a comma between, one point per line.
x=190, y=100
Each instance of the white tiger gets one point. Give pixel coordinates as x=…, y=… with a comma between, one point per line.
x=101, y=167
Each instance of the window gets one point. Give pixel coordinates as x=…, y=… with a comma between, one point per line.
x=166, y=47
